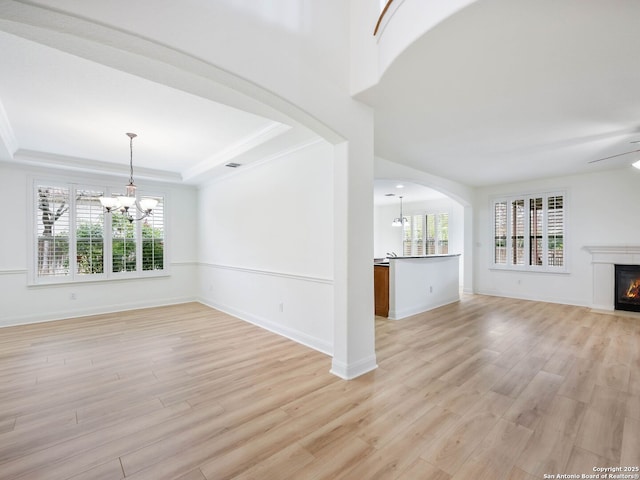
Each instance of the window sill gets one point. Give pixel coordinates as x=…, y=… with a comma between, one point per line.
x=523, y=269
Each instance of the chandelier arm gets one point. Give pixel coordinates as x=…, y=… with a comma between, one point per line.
x=144, y=215
x=127, y=214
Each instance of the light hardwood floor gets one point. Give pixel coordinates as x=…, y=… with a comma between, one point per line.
x=488, y=388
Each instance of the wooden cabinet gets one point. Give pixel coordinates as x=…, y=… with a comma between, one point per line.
x=381, y=290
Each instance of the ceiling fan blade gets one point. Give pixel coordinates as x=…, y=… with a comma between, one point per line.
x=614, y=156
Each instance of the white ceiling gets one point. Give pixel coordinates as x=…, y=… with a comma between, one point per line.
x=411, y=192
x=64, y=111
x=509, y=91
x=502, y=91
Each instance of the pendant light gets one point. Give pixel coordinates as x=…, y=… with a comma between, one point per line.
x=123, y=203
x=399, y=221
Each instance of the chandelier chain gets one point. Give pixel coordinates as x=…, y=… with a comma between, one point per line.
x=131, y=137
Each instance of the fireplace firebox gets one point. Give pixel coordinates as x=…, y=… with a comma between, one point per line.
x=627, y=287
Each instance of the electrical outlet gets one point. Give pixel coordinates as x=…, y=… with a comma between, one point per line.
x=281, y=306
x=430, y=288
x=72, y=296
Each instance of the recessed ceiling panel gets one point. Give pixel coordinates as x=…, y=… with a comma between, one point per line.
x=65, y=105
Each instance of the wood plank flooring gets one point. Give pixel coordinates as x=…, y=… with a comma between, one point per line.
x=488, y=388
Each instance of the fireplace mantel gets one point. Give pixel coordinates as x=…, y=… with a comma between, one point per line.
x=603, y=252
x=603, y=259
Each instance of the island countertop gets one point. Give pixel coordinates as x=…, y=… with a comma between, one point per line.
x=439, y=255
x=385, y=262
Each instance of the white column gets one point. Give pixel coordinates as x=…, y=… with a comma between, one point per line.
x=354, y=328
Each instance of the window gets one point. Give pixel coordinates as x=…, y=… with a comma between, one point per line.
x=70, y=239
x=529, y=232
x=426, y=234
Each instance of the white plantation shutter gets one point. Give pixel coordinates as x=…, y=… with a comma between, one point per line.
x=89, y=230
x=418, y=235
x=53, y=226
x=431, y=234
x=153, y=238
x=426, y=234
x=517, y=231
x=500, y=233
x=555, y=231
x=124, y=236
x=406, y=237
x=443, y=233
x=75, y=240
x=530, y=233
x=437, y=238
x=536, y=227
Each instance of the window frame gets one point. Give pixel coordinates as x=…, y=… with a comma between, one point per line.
x=527, y=234
x=76, y=184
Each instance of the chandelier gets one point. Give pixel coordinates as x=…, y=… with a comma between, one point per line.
x=399, y=221
x=127, y=203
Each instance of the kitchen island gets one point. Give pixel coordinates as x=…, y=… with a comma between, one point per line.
x=421, y=283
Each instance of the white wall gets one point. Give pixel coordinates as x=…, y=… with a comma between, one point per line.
x=386, y=238
x=601, y=210
x=265, y=245
x=20, y=303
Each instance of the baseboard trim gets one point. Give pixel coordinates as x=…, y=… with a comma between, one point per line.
x=408, y=312
x=86, y=312
x=290, y=333
x=515, y=296
x=353, y=370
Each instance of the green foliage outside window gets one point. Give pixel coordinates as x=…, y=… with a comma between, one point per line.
x=90, y=247
x=152, y=248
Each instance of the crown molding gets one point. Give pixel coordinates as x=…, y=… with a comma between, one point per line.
x=62, y=162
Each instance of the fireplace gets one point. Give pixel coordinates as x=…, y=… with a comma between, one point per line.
x=627, y=288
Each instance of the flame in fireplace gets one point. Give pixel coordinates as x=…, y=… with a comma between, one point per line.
x=634, y=289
